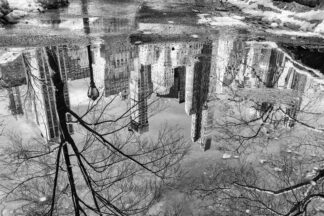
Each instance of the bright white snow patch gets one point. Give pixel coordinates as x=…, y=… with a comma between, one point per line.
x=320, y=28
x=220, y=21
x=305, y=22
x=42, y=199
x=25, y=5
x=8, y=57
x=277, y=169
x=226, y=156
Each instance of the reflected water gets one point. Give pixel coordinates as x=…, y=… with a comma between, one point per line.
x=143, y=91
x=198, y=74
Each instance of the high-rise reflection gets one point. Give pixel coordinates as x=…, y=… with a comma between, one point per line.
x=196, y=73
x=42, y=108
x=119, y=56
x=140, y=87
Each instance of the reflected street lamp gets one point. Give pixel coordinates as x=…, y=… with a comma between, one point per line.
x=93, y=92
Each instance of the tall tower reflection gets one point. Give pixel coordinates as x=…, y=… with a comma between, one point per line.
x=141, y=87
x=199, y=108
x=15, y=102
x=120, y=55
x=13, y=78
x=42, y=108
x=179, y=86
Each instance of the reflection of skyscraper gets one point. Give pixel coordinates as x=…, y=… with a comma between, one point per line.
x=206, y=128
x=77, y=62
x=42, y=105
x=118, y=25
x=15, y=103
x=140, y=90
x=200, y=91
x=12, y=72
x=119, y=63
x=178, y=88
x=162, y=72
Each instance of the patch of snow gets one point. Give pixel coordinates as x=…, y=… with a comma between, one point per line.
x=238, y=17
x=274, y=25
x=219, y=21
x=320, y=28
x=24, y=5
x=266, y=44
x=277, y=169
x=311, y=15
x=147, y=32
x=226, y=156
x=8, y=57
x=42, y=199
x=305, y=22
x=289, y=32
x=262, y=161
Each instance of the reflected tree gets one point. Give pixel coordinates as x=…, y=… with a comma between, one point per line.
x=108, y=172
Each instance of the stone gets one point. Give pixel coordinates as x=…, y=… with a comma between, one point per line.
x=10, y=19
x=18, y=14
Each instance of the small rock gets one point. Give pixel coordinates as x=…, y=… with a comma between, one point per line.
x=10, y=19
x=18, y=14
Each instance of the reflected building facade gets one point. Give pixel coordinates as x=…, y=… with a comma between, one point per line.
x=41, y=102
x=120, y=56
x=141, y=88
x=200, y=89
x=77, y=62
x=193, y=73
x=15, y=101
